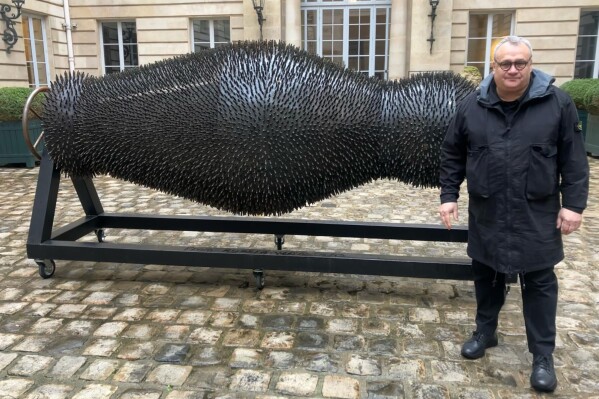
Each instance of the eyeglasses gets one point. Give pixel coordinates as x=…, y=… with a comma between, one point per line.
x=507, y=65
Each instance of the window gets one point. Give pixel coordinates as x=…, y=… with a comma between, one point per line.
x=354, y=34
x=210, y=33
x=119, y=46
x=484, y=32
x=36, y=50
x=587, y=50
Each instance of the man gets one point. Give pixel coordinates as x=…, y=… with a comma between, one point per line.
x=517, y=142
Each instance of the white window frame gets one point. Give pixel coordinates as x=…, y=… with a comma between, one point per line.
x=210, y=30
x=32, y=38
x=489, y=36
x=596, y=61
x=119, y=28
x=346, y=5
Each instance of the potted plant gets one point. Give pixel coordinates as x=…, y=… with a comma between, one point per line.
x=13, y=149
x=585, y=94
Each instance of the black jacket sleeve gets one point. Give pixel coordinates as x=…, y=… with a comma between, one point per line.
x=453, y=156
x=572, y=159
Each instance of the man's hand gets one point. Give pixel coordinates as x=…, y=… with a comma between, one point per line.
x=568, y=221
x=446, y=210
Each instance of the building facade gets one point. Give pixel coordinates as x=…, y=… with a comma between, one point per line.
x=390, y=39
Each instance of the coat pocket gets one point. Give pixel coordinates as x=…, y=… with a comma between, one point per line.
x=541, y=180
x=477, y=172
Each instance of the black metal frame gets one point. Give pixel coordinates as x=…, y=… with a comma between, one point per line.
x=45, y=244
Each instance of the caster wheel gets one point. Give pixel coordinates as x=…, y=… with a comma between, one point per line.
x=259, y=276
x=47, y=267
x=101, y=235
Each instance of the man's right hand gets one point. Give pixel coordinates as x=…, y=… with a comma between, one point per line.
x=446, y=210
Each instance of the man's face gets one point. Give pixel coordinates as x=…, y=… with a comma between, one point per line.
x=508, y=76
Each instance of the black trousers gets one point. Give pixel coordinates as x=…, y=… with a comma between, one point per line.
x=539, y=300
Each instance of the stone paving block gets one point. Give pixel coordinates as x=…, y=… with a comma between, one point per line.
x=223, y=319
x=322, y=362
x=322, y=309
x=131, y=314
x=198, y=317
x=169, y=374
x=362, y=365
x=172, y=353
x=99, y=298
x=202, y=335
x=250, y=381
x=278, y=340
x=241, y=337
x=291, y=307
x=78, y=328
x=423, y=315
x=96, y=391
x=376, y=327
x=136, y=351
x=246, y=358
x=132, y=372
x=353, y=343
x=406, y=370
x=142, y=332
x=209, y=379
x=71, y=297
x=101, y=347
x=207, y=356
x=11, y=307
x=163, y=315
x=449, y=371
x=248, y=321
x=226, y=304
x=355, y=310
x=99, y=312
x=68, y=311
x=6, y=340
x=50, y=391
x=385, y=390
x=67, y=366
x=33, y=344
x=310, y=323
x=186, y=395
x=14, y=387
x=430, y=391
x=6, y=359
x=311, y=340
x=300, y=384
x=28, y=365
x=140, y=394
x=277, y=322
x=110, y=329
x=258, y=306
x=40, y=295
x=99, y=370
x=336, y=386
x=342, y=326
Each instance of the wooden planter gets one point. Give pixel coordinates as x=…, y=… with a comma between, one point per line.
x=13, y=149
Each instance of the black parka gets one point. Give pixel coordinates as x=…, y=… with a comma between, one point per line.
x=515, y=169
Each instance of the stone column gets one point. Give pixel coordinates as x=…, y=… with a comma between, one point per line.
x=293, y=23
x=398, y=39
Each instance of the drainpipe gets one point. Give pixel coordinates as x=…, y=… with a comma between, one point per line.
x=68, y=27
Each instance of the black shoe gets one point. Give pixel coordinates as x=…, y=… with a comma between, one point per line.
x=543, y=374
x=475, y=347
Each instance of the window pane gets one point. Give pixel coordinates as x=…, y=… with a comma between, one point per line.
x=129, y=33
x=30, y=75
x=28, y=53
x=311, y=17
x=311, y=32
x=327, y=32
x=586, y=48
x=201, y=31
x=327, y=17
x=221, y=31
x=352, y=63
x=364, y=63
x=110, y=33
x=39, y=51
x=583, y=70
x=381, y=16
x=365, y=32
x=311, y=47
x=201, y=46
x=25, y=25
x=130, y=54
x=112, y=69
x=379, y=63
x=41, y=74
x=338, y=48
x=476, y=50
x=337, y=32
x=588, y=23
x=111, y=55
x=380, y=47
x=502, y=25
x=381, y=31
x=37, y=28
x=477, y=26
x=327, y=47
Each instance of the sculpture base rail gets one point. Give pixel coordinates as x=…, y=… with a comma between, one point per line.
x=46, y=244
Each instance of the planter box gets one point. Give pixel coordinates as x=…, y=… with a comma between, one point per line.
x=13, y=149
x=592, y=139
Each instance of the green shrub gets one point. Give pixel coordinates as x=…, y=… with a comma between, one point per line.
x=12, y=102
x=580, y=90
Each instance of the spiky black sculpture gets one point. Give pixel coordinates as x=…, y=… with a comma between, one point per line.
x=251, y=128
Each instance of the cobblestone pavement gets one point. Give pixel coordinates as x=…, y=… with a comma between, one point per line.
x=105, y=330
